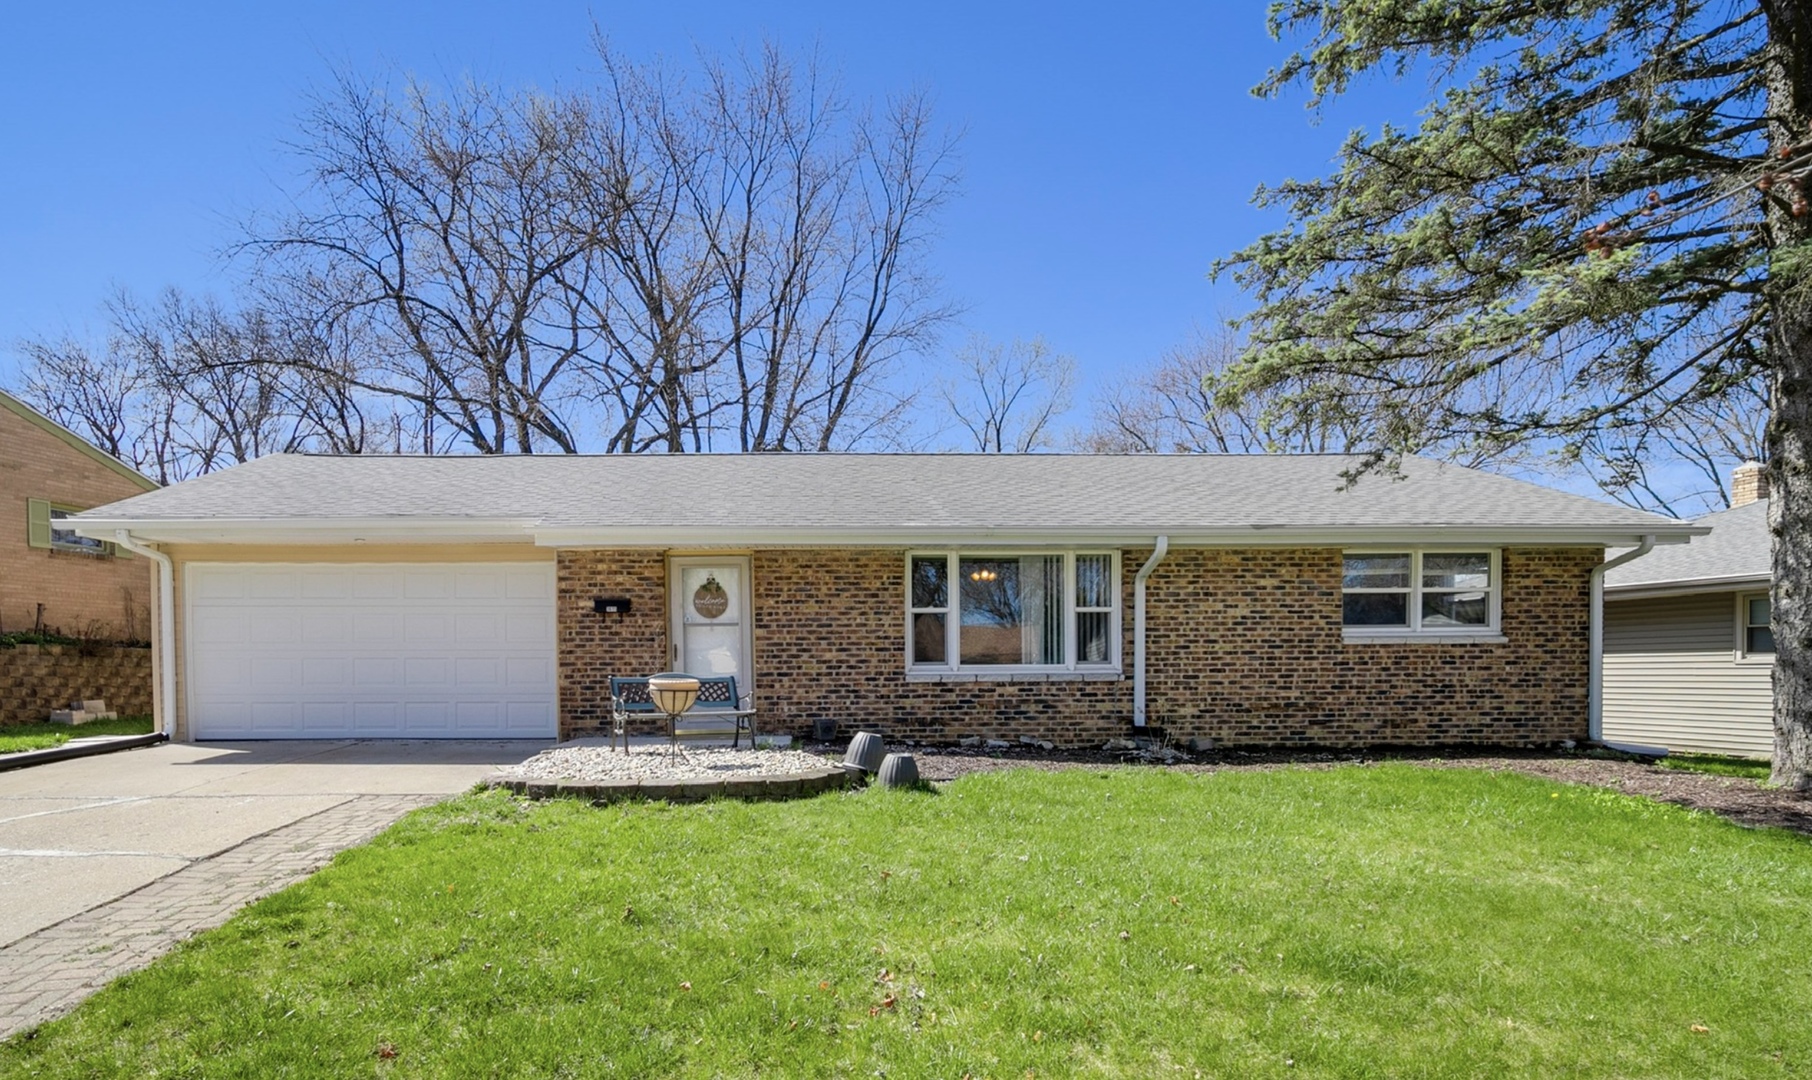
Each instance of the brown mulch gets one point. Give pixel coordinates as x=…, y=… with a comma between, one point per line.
x=1746, y=802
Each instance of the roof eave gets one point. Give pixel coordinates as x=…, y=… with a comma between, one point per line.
x=1644, y=590
x=1244, y=536
x=392, y=529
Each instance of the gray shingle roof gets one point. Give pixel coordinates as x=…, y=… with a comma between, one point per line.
x=901, y=492
x=1737, y=548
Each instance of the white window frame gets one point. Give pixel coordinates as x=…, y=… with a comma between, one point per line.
x=952, y=612
x=1493, y=627
x=1742, y=627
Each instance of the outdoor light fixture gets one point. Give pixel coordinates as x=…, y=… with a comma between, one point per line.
x=611, y=605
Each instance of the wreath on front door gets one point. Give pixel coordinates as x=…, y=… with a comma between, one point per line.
x=710, y=600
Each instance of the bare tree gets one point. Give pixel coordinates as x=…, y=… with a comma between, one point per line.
x=181, y=387
x=442, y=223
x=1007, y=398
x=762, y=273
x=97, y=393
x=1175, y=407
x=1680, y=464
x=733, y=264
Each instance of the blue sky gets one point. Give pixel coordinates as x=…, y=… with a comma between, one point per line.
x=1108, y=154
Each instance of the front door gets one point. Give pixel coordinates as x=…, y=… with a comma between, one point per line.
x=711, y=630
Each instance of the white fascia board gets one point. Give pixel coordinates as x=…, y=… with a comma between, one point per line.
x=1645, y=590
x=1245, y=537
x=522, y=530
x=389, y=530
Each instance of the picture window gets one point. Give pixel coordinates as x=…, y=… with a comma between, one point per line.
x=1013, y=611
x=1418, y=591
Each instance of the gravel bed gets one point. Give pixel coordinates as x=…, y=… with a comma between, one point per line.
x=595, y=763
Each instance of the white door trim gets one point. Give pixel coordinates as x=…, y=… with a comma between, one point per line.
x=745, y=683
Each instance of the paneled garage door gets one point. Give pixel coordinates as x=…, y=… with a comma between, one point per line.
x=414, y=651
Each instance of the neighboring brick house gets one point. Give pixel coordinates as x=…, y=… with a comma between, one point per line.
x=50, y=577
x=1253, y=600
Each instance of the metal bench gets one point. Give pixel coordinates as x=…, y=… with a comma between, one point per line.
x=719, y=710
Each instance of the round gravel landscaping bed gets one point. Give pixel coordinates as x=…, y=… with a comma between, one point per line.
x=604, y=774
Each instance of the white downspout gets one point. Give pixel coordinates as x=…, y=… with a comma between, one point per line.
x=1138, y=632
x=1595, y=660
x=164, y=655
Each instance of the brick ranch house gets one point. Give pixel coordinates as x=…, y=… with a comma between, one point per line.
x=1253, y=600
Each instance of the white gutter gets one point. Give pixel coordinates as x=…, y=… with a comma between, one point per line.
x=908, y=536
x=1595, y=652
x=1138, y=633
x=163, y=654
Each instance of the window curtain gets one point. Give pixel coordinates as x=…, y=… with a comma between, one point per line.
x=1041, y=609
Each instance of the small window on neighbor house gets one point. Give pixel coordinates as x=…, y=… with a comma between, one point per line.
x=65, y=539
x=1758, y=634
x=1419, y=591
x=45, y=529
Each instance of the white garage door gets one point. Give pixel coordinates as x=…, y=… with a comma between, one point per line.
x=413, y=651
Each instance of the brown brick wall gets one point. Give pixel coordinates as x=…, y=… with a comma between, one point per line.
x=35, y=679
x=1245, y=648
x=592, y=647
x=81, y=594
x=830, y=641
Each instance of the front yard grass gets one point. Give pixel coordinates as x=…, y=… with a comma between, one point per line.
x=21, y=737
x=1359, y=921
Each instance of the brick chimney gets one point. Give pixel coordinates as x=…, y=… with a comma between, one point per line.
x=1748, y=483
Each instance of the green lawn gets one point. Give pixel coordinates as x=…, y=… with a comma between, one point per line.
x=44, y=736
x=1384, y=921
x=1717, y=765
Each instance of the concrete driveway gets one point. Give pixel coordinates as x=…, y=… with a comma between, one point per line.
x=76, y=835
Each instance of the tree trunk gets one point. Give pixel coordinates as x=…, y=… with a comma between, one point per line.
x=1790, y=524
x=1790, y=428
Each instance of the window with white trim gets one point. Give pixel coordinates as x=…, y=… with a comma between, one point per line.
x=1758, y=629
x=1013, y=611
x=1420, y=591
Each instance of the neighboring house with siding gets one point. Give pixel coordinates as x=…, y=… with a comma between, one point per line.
x=1688, y=656
x=1254, y=600
x=51, y=577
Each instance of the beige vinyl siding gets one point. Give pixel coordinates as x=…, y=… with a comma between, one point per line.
x=1672, y=677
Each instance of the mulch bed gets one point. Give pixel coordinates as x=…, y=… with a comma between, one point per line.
x=1746, y=802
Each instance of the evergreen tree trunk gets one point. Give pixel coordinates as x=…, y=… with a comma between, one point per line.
x=1790, y=429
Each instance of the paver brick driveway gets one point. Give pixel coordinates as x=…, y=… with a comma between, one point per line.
x=109, y=861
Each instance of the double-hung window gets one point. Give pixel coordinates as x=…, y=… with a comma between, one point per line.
x=1420, y=592
x=1012, y=612
x=1757, y=630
